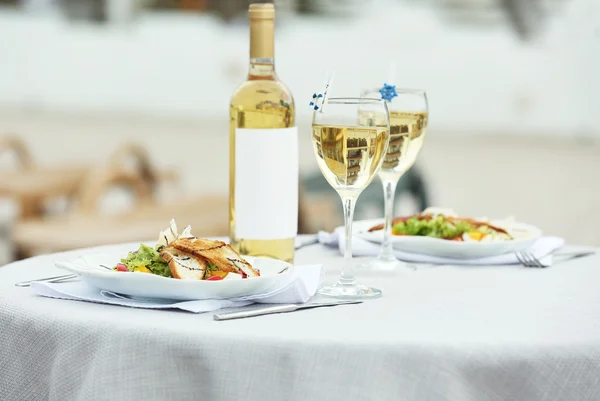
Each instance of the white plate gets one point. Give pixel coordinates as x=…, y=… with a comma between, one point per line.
x=144, y=285
x=525, y=235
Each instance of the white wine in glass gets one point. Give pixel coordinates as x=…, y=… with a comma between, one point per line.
x=350, y=138
x=409, y=115
x=407, y=135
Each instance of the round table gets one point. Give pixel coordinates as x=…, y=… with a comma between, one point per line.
x=442, y=333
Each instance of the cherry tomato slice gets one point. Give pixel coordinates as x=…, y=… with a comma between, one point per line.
x=214, y=278
x=122, y=268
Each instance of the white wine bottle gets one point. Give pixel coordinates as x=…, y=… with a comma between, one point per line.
x=263, y=152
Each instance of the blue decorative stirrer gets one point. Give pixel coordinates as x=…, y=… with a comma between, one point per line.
x=388, y=92
x=319, y=99
x=314, y=103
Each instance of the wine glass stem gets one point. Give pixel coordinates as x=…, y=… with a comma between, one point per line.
x=348, y=277
x=389, y=192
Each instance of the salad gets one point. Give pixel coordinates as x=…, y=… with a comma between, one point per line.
x=183, y=256
x=145, y=260
x=447, y=227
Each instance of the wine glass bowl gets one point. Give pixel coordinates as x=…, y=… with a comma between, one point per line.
x=350, y=151
x=409, y=118
x=350, y=138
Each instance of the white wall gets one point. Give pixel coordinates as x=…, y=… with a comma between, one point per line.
x=477, y=80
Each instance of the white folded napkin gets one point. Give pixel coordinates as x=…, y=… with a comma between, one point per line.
x=541, y=249
x=300, y=289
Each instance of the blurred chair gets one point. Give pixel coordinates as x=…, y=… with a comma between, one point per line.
x=10, y=143
x=128, y=167
x=30, y=184
x=86, y=225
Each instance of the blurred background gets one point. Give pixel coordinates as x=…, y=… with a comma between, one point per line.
x=114, y=113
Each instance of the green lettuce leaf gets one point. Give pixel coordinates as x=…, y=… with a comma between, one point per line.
x=438, y=227
x=148, y=257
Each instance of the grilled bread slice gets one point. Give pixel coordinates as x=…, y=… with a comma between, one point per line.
x=184, y=265
x=216, y=252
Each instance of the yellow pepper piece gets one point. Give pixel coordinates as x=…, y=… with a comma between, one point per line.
x=142, y=269
x=476, y=235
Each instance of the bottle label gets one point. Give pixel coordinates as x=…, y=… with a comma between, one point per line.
x=266, y=183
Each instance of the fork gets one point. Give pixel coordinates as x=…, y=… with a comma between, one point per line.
x=55, y=279
x=528, y=259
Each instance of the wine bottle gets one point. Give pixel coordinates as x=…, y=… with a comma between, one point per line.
x=263, y=152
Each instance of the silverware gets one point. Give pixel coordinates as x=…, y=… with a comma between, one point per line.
x=528, y=259
x=114, y=295
x=283, y=270
x=278, y=309
x=575, y=255
x=55, y=279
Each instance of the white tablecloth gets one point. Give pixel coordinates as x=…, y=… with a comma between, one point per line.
x=442, y=333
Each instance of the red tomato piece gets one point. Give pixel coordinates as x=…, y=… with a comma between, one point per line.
x=122, y=268
x=214, y=278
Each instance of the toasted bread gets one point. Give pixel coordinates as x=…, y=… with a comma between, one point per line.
x=218, y=253
x=183, y=265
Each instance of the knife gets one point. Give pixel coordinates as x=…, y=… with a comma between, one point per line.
x=278, y=309
x=575, y=255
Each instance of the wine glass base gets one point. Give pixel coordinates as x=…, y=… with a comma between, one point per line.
x=349, y=292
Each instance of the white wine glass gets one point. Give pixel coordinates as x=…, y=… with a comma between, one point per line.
x=409, y=117
x=350, y=138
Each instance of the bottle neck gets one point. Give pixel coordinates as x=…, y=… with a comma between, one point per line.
x=262, y=49
x=261, y=68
